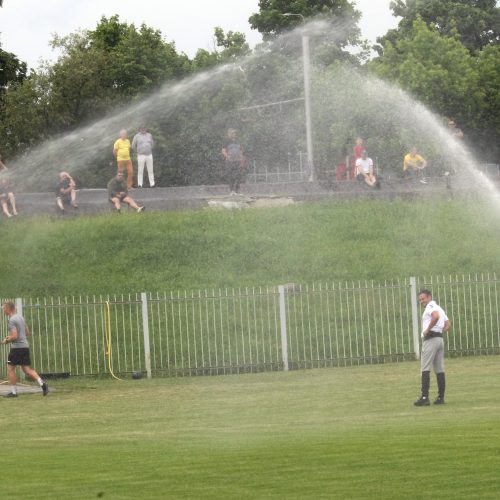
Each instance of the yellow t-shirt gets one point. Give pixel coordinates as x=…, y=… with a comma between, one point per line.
x=412, y=161
x=122, y=148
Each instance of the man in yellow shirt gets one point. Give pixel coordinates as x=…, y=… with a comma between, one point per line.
x=121, y=151
x=414, y=165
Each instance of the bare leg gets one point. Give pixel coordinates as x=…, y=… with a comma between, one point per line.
x=31, y=373
x=116, y=203
x=11, y=374
x=6, y=209
x=131, y=202
x=36, y=377
x=60, y=204
x=12, y=200
x=73, y=198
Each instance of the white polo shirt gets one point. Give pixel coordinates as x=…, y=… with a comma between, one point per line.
x=364, y=166
x=427, y=317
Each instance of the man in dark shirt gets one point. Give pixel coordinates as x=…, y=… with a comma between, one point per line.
x=234, y=160
x=118, y=192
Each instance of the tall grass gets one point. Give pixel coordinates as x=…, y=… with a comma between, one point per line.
x=327, y=241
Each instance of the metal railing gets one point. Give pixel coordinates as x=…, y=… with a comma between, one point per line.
x=256, y=329
x=294, y=171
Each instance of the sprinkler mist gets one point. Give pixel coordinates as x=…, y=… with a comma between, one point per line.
x=262, y=96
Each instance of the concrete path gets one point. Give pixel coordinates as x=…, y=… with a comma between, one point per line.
x=195, y=197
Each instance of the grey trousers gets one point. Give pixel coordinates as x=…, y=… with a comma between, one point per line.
x=433, y=355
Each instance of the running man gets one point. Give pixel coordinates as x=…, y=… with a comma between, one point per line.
x=434, y=324
x=19, y=353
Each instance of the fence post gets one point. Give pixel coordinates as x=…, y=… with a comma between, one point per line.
x=19, y=306
x=145, y=329
x=414, y=317
x=284, y=339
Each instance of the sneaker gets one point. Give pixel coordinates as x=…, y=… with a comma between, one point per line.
x=141, y=209
x=45, y=388
x=74, y=205
x=10, y=395
x=423, y=401
x=423, y=181
x=439, y=401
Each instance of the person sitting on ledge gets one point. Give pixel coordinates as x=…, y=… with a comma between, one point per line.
x=364, y=170
x=118, y=192
x=7, y=198
x=66, y=191
x=414, y=165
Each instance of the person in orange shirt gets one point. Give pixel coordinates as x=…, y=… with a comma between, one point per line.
x=121, y=151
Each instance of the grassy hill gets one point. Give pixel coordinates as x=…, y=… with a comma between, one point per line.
x=325, y=241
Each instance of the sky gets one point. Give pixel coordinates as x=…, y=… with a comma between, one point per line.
x=26, y=26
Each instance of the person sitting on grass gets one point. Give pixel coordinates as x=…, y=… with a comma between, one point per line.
x=66, y=191
x=7, y=198
x=414, y=165
x=118, y=193
x=364, y=170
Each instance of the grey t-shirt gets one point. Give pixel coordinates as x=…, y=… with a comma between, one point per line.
x=17, y=321
x=234, y=151
x=143, y=143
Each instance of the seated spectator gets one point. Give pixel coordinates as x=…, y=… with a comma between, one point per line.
x=414, y=165
x=66, y=192
x=7, y=198
x=454, y=130
x=364, y=170
x=118, y=193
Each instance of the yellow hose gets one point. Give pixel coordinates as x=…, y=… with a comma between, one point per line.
x=107, y=333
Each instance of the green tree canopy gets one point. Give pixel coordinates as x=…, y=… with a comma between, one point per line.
x=476, y=21
x=273, y=17
x=12, y=69
x=437, y=69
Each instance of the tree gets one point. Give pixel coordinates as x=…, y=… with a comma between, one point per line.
x=12, y=69
x=476, y=21
x=488, y=67
x=437, y=69
x=273, y=19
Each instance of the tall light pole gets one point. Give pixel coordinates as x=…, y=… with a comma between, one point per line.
x=306, y=62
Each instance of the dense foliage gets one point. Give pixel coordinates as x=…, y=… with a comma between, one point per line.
x=446, y=54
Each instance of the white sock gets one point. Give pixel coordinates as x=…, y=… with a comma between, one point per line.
x=40, y=381
x=13, y=389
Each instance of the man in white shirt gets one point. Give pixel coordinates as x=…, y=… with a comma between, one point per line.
x=434, y=324
x=143, y=145
x=364, y=170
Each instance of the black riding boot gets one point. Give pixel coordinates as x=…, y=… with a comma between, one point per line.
x=441, y=383
x=424, y=399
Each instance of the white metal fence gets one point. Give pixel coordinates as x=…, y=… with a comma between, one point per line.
x=255, y=329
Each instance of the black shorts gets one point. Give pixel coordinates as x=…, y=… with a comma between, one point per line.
x=19, y=356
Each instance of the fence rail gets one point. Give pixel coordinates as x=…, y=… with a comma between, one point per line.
x=256, y=329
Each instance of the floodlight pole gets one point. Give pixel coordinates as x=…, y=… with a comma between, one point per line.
x=306, y=62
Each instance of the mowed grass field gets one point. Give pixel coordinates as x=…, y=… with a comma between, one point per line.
x=331, y=433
